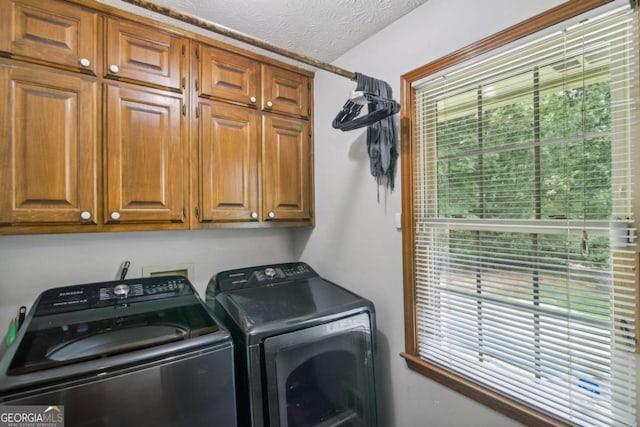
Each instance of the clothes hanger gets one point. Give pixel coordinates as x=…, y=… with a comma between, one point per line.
x=346, y=119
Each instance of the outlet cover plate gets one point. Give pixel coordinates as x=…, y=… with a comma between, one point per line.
x=185, y=270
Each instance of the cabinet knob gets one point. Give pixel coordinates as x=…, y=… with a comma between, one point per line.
x=269, y=104
x=271, y=215
x=254, y=215
x=85, y=62
x=253, y=99
x=114, y=68
x=115, y=216
x=85, y=215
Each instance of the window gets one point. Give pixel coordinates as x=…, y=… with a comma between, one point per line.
x=522, y=286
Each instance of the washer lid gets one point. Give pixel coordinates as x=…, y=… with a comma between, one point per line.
x=66, y=338
x=279, y=306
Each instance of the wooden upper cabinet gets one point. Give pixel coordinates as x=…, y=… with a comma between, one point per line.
x=229, y=76
x=51, y=31
x=285, y=92
x=145, y=177
x=228, y=147
x=144, y=54
x=48, y=140
x=286, y=169
x=99, y=130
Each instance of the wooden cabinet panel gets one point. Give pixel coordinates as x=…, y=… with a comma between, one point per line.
x=48, y=138
x=145, y=155
x=228, y=146
x=144, y=54
x=285, y=91
x=286, y=169
x=229, y=76
x=52, y=31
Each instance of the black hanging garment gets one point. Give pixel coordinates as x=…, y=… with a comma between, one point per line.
x=381, y=134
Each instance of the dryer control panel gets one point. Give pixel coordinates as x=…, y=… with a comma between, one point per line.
x=262, y=275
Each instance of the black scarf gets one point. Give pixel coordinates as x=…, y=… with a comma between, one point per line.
x=381, y=135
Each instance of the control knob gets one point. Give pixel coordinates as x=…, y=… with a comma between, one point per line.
x=121, y=290
x=270, y=273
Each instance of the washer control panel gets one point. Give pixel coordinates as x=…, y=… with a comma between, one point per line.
x=101, y=294
x=262, y=275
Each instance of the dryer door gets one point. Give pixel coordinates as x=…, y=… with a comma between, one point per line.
x=322, y=376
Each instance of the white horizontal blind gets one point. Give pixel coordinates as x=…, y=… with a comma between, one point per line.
x=524, y=247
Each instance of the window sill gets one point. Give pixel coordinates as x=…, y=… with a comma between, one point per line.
x=508, y=407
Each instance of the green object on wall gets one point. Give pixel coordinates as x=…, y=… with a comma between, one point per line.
x=11, y=333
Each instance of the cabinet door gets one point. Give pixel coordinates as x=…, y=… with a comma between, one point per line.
x=286, y=169
x=144, y=54
x=48, y=138
x=145, y=149
x=228, y=137
x=285, y=91
x=226, y=75
x=52, y=31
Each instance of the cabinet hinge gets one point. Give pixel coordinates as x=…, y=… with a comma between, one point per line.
x=197, y=84
x=184, y=49
x=184, y=109
x=184, y=83
x=197, y=113
x=197, y=212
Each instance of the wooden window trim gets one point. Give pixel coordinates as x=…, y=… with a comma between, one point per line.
x=488, y=397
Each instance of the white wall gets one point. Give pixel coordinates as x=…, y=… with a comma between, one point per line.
x=31, y=264
x=355, y=242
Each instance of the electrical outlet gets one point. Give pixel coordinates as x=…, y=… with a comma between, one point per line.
x=185, y=270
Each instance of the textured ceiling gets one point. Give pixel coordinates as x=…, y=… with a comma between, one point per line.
x=323, y=29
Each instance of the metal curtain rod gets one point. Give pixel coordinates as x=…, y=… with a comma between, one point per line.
x=245, y=38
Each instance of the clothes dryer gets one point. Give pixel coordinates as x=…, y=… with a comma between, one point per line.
x=304, y=347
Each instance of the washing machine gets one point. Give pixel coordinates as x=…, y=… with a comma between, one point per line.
x=136, y=352
x=304, y=347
